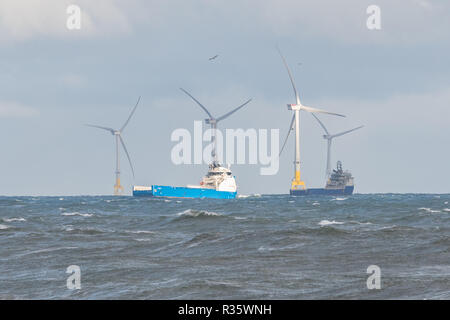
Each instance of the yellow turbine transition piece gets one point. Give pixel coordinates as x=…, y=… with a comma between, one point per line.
x=297, y=184
x=118, y=189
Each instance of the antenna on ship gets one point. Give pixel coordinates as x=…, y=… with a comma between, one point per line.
x=118, y=189
x=213, y=122
x=297, y=183
x=329, y=137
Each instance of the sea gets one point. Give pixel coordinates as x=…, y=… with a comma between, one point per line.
x=363, y=246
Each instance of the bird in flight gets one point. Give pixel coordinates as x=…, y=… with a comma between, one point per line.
x=212, y=58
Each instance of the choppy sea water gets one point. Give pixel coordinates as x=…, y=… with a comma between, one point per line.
x=254, y=247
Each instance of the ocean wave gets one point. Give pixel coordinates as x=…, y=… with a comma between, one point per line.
x=77, y=214
x=141, y=231
x=198, y=213
x=14, y=219
x=87, y=231
x=327, y=223
x=446, y=209
x=200, y=238
x=339, y=199
x=280, y=248
x=243, y=196
x=430, y=210
x=361, y=223
x=3, y=227
x=49, y=250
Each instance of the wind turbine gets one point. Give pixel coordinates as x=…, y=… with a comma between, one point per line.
x=329, y=137
x=297, y=183
x=213, y=122
x=118, y=189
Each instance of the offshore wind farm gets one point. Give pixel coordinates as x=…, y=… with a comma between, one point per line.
x=219, y=150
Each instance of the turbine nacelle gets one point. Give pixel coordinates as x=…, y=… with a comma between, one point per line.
x=294, y=107
x=210, y=121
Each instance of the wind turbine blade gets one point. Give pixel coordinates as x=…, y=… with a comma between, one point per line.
x=320, y=122
x=315, y=110
x=287, y=136
x=131, y=114
x=100, y=127
x=233, y=111
x=345, y=132
x=126, y=152
x=202, y=106
x=290, y=76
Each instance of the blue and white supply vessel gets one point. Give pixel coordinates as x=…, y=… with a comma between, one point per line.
x=219, y=183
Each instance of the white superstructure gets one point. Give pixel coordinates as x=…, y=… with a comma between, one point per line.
x=218, y=178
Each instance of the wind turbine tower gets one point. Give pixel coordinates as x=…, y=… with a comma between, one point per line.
x=297, y=183
x=329, y=137
x=118, y=189
x=211, y=120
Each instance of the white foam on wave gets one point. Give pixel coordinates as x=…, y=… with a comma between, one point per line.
x=446, y=209
x=254, y=195
x=339, y=199
x=316, y=204
x=142, y=231
x=77, y=214
x=197, y=213
x=165, y=200
x=14, y=219
x=430, y=210
x=50, y=250
x=363, y=223
x=3, y=227
x=327, y=223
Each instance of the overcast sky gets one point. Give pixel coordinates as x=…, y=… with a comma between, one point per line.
x=395, y=81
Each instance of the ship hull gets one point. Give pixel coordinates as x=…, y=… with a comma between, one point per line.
x=184, y=192
x=348, y=190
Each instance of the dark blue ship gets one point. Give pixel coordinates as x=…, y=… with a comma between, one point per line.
x=339, y=183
